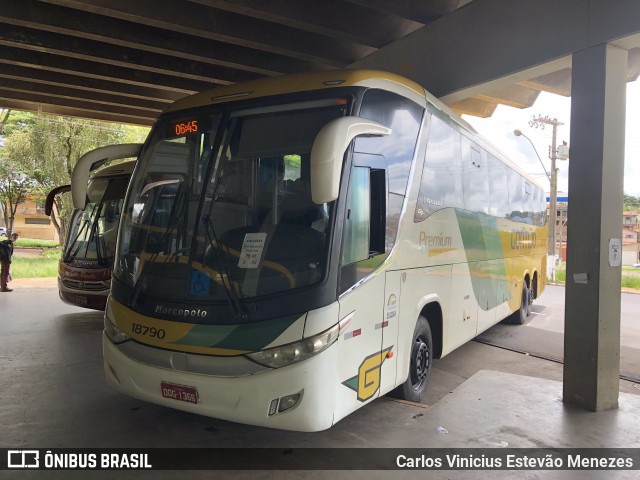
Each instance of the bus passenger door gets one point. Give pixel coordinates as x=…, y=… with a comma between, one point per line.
x=362, y=287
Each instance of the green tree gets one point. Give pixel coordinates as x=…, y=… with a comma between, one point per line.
x=47, y=148
x=15, y=185
x=631, y=203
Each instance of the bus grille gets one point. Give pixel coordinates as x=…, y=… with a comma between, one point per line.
x=85, y=286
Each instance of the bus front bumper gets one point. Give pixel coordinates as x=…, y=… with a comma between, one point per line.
x=246, y=399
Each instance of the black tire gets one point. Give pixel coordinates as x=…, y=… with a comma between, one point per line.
x=529, y=301
x=520, y=316
x=420, y=364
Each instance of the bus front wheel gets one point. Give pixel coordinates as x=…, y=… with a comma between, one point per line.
x=420, y=363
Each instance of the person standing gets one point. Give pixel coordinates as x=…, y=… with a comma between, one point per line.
x=6, y=252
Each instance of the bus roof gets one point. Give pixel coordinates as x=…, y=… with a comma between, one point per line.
x=303, y=82
x=124, y=168
x=296, y=83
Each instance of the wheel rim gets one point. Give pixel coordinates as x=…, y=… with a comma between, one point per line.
x=419, y=363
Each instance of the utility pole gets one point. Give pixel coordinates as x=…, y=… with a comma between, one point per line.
x=540, y=122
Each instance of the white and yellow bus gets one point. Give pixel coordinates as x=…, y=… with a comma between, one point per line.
x=294, y=247
x=86, y=264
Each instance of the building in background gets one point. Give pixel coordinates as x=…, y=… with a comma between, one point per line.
x=630, y=236
x=31, y=222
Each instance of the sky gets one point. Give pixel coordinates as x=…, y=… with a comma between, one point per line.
x=498, y=129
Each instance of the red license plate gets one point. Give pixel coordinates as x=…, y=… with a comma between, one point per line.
x=179, y=392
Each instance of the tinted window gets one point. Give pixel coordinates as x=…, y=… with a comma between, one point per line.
x=355, y=246
x=499, y=187
x=475, y=177
x=529, y=203
x=516, y=196
x=403, y=117
x=441, y=184
x=540, y=206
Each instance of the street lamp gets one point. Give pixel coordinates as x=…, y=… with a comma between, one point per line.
x=518, y=133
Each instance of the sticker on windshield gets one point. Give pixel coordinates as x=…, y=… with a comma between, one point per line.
x=252, y=247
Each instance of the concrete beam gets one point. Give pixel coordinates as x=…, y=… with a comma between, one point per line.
x=202, y=21
x=86, y=84
x=557, y=82
x=489, y=43
x=99, y=71
x=96, y=114
x=90, y=26
x=516, y=96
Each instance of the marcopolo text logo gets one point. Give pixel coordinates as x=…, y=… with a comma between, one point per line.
x=23, y=459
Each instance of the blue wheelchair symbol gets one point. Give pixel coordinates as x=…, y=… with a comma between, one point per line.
x=199, y=286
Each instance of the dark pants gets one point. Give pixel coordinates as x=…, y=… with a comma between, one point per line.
x=4, y=273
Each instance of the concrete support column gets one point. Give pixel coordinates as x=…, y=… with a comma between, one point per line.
x=596, y=173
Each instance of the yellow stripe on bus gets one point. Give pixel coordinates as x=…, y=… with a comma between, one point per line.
x=172, y=331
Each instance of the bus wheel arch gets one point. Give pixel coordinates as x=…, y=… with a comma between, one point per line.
x=433, y=314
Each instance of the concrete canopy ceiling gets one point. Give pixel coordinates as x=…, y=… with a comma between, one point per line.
x=125, y=61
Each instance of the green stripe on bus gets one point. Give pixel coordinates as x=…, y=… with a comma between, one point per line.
x=485, y=256
x=249, y=336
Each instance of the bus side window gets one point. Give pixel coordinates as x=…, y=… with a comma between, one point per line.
x=364, y=225
x=529, y=204
x=355, y=245
x=441, y=182
x=541, y=207
x=499, y=185
x=516, y=196
x=475, y=177
x=404, y=118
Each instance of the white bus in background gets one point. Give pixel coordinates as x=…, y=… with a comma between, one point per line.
x=294, y=247
x=86, y=265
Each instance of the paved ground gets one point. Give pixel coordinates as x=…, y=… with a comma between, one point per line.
x=543, y=333
x=53, y=394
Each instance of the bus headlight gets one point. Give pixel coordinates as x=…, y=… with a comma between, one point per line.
x=111, y=329
x=296, y=352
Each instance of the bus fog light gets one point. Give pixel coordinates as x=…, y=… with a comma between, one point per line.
x=288, y=402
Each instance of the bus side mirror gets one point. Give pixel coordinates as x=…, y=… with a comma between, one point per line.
x=328, y=151
x=48, y=203
x=93, y=160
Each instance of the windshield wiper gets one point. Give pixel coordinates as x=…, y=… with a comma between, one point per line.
x=69, y=256
x=101, y=250
x=225, y=279
x=165, y=237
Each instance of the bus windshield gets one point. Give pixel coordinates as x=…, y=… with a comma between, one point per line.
x=220, y=208
x=93, y=231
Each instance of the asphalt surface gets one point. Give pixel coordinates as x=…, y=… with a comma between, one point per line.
x=543, y=333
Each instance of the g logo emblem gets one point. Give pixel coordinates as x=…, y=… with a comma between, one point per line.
x=367, y=382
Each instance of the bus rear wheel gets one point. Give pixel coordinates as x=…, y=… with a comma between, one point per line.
x=520, y=316
x=420, y=363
